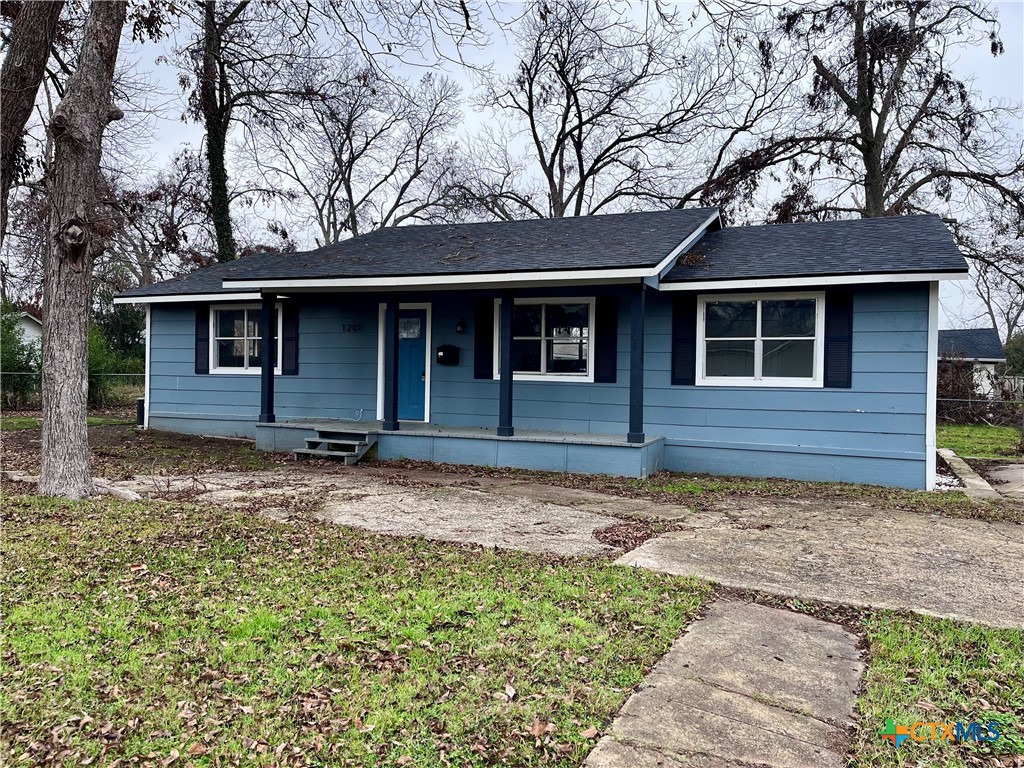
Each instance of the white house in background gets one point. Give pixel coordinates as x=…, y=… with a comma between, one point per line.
x=980, y=347
x=31, y=327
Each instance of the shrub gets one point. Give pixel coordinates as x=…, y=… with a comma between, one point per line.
x=104, y=386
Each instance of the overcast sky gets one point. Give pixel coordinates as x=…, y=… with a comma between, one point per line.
x=995, y=77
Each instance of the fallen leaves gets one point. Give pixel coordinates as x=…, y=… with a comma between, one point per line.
x=183, y=635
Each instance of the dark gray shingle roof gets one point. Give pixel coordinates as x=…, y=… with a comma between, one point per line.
x=206, y=280
x=971, y=344
x=611, y=241
x=866, y=246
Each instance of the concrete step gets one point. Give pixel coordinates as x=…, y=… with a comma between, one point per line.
x=349, y=457
x=334, y=444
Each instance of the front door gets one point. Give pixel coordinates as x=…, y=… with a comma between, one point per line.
x=412, y=372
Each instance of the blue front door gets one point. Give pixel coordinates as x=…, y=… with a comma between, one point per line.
x=412, y=372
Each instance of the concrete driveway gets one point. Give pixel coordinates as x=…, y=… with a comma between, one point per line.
x=853, y=553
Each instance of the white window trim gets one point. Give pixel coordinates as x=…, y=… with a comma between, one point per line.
x=427, y=362
x=817, y=381
x=225, y=370
x=577, y=378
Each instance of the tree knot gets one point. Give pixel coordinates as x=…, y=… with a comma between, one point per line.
x=74, y=237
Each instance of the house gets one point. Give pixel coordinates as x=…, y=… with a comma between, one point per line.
x=31, y=327
x=979, y=348
x=622, y=344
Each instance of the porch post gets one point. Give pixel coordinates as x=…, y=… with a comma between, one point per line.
x=390, y=332
x=268, y=319
x=505, y=360
x=636, y=364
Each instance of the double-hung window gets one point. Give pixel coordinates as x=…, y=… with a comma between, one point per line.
x=552, y=339
x=238, y=337
x=769, y=340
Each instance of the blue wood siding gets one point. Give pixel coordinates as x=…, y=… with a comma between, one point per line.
x=337, y=367
x=873, y=432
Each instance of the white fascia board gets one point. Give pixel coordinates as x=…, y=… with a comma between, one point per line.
x=182, y=298
x=931, y=386
x=804, y=282
x=972, y=359
x=670, y=261
x=505, y=279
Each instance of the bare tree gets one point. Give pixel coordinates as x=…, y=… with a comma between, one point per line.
x=162, y=226
x=24, y=67
x=250, y=61
x=606, y=111
x=890, y=128
x=373, y=153
x=78, y=231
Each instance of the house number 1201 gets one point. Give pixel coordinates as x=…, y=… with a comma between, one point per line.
x=351, y=327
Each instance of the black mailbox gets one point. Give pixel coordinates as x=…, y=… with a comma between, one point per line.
x=447, y=354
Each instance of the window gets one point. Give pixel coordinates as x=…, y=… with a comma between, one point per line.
x=551, y=339
x=771, y=340
x=237, y=339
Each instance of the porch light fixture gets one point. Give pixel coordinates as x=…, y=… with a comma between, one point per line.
x=460, y=325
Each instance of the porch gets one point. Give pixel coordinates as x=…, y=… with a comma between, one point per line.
x=480, y=446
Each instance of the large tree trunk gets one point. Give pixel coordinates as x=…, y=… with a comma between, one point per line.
x=78, y=229
x=216, y=118
x=24, y=65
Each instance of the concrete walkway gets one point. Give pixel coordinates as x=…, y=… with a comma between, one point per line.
x=1010, y=480
x=747, y=685
x=842, y=553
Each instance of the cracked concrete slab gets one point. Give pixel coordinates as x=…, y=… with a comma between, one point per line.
x=747, y=685
x=471, y=516
x=436, y=510
x=1009, y=480
x=957, y=568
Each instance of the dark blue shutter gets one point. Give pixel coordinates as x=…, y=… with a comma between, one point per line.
x=839, y=338
x=202, y=338
x=684, y=339
x=606, y=339
x=289, y=339
x=483, y=340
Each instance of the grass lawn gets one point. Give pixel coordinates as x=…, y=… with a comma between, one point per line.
x=935, y=670
x=31, y=422
x=155, y=631
x=980, y=441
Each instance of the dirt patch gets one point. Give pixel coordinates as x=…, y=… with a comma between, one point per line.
x=120, y=452
x=946, y=477
x=625, y=536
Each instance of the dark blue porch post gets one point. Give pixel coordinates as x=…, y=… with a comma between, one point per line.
x=505, y=365
x=268, y=320
x=636, y=364
x=390, y=332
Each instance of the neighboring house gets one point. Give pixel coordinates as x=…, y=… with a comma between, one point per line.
x=31, y=327
x=638, y=342
x=981, y=348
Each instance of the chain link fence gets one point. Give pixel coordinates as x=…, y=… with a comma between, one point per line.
x=21, y=390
